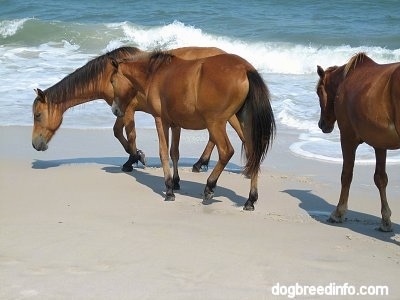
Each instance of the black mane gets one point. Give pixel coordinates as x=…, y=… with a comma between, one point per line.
x=81, y=78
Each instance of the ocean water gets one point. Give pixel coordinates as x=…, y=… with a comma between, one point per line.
x=43, y=41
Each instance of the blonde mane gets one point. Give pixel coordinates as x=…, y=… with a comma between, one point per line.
x=353, y=62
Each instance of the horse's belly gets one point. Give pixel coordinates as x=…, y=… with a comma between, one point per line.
x=186, y=121
x=383, y=139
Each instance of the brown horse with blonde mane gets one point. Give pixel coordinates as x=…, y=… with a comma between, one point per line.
x=201, y=94
x=92, y=81
x=364, y=98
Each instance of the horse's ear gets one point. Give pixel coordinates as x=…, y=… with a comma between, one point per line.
x=40, y=95
x=320, y=72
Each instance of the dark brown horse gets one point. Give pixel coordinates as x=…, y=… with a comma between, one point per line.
x=364, y=98
x=202, y=94
x=92, y=81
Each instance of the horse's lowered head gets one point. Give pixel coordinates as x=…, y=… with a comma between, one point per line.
x=124, y=91
x=326, y=91
x=46, y=121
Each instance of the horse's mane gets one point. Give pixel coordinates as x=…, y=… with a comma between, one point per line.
x=158, y=58
x=87, y=75
x=354, y=61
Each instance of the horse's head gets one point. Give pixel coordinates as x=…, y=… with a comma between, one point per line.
x=46, y=121
x=326, y=93
x=124, y=91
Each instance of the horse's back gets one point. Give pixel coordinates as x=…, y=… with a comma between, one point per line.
x=191, y=53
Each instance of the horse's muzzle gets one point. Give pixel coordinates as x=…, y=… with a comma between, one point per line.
x=324, y=127
x=116, y=110
x=39, y=144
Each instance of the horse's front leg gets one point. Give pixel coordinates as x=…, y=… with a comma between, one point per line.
x=349, y=147
x=174, y=152
x=135, y=155
x=119, y=132
x=163, y=138
x=381, y=181
x=204, y=159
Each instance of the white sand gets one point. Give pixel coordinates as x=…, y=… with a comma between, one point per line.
x=73, y=226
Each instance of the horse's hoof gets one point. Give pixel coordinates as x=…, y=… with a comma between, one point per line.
x=142, y=157
x=207, y=198
x=248, y=207
x=127, y=168
x=386, y=227
x=197, y=167
x=204, y=168
x=334, y=220
x=170, y=198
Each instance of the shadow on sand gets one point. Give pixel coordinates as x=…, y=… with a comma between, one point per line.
x=156, y=183
x=359, y=222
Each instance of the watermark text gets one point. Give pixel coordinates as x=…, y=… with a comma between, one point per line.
x=331, y=289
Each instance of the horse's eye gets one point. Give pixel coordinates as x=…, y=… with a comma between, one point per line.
x=37, y=116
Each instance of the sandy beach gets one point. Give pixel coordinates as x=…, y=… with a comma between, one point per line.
x=74, y=226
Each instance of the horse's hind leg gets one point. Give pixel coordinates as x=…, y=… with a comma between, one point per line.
x=174, y=153
x=349, y=153
x=205, y=157
x=253, y=195
x=381, y=181
x=163, y=138
x=225, y=151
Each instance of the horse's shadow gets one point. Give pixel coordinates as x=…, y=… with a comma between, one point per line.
x=47, y=164
x=156, y=183
x=193, y=189
x=359, y=222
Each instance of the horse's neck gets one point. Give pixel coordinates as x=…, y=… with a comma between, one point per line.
x=82, y=96
x=338, y=77
x=88, y=96
x=138, y=77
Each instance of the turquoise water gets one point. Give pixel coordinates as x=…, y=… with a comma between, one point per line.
x=43, y=41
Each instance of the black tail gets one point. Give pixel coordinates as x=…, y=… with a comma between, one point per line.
x=259, y=123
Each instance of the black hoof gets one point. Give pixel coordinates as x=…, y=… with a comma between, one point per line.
x=170, y=198
x=335, y=220
x=195, y=169
x=199, y=166
x=249, y=206
x=127, y=168
x=208, y=197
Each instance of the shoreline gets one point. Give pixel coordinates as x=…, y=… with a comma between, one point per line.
x=73, y=225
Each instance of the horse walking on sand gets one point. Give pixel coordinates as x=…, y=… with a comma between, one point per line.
x=201, y=94
x=364, y=98
x=92, y=81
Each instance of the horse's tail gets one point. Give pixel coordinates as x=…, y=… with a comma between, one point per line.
x=258, y=123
